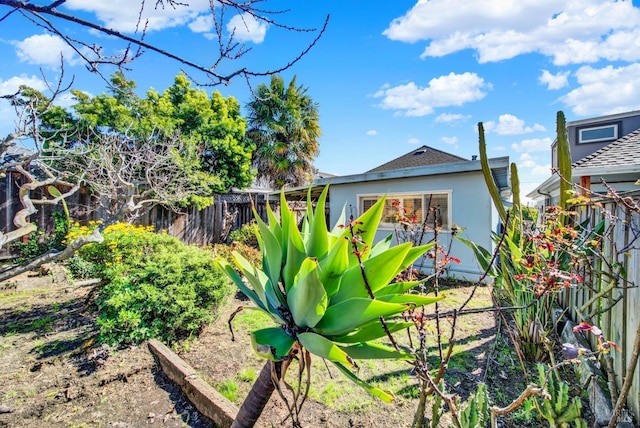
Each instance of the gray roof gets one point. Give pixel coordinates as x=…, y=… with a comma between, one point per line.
x=422, y=156
x=624, y=151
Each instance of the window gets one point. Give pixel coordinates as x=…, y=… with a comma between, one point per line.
x=598, y=133
x=416, y=205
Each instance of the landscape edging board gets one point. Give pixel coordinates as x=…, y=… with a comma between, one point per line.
x=203, y=396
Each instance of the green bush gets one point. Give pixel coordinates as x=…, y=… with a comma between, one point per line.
x=39, y=242
x=125, y=247
x=80, y=268
x=170, y=297
x=247, y=234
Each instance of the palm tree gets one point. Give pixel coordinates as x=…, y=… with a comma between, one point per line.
x=283, y=123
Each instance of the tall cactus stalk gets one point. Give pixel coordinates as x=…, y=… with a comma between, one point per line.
x=564, y=159
x=488, y=177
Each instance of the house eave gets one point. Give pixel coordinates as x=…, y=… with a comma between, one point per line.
x=440, y=169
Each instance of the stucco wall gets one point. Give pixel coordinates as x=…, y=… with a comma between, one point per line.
x=471, y=209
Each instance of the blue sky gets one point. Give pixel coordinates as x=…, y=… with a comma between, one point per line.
x=388, y=76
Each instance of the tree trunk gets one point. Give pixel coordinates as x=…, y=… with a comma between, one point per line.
x=258, y=397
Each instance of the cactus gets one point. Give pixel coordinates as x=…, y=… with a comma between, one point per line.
x=476, y=414
x=488, y=178
x=558, y=408
x=564, y=159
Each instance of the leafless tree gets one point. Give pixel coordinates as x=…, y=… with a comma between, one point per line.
x=54, y=17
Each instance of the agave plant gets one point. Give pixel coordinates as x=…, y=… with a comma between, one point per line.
x=329, y=293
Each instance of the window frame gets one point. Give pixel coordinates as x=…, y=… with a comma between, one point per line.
x=615, y=126
x=374, y=197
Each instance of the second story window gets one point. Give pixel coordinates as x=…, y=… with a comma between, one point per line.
x=596, y=134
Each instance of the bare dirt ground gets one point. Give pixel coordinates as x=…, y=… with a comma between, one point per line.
x=52, y=374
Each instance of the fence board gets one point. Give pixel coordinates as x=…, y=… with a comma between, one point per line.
x=619, y=324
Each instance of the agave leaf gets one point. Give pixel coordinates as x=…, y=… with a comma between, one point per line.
x=271, y=251
x=366, y=227
x=376, y=392
x=373, y=351
x=415, y=253
x=372, y=330
x=379, y=271
x=272, y=343
x=237, y=280
x=340, y=225
x=350, y=314
x=416, y=299
x=318, y=242
x=324, y=348
x=381, y=246
x=398, y=287
x=306, y=298
x=295, y=251
x=333, y=266
x=274, y=225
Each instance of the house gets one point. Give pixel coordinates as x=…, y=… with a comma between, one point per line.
x=423, y=178
x=602, y=148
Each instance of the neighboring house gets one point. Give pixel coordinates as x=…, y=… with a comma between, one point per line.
x=425, y=177
x=602, y=148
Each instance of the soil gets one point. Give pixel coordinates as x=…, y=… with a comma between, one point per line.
x=53, y=374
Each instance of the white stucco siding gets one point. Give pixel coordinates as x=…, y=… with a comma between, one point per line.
x=471, y=209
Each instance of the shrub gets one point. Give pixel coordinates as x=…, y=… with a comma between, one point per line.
x=247, y=234
x=39, y=242
x=125, y=247
x=80, y=268
x=170, y=296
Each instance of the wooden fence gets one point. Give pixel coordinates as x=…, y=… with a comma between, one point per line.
x=610, y=298
x=200, y=227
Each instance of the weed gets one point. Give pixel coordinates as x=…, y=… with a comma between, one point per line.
x=247, y=375
x=229, y=389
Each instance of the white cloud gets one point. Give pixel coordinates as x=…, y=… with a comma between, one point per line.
x=372, y=132
x=509, y=124
x=526, y=161
x=450, y=90
x=554, y=81
x=10, y=87
x=451, y=118
x=45, y=50
x=570, y=31
x=413, y=140
x=122, y=15
x=451, y=141
x=202, y=24
x=247, y=28
x=605, y=90
x=533, y=145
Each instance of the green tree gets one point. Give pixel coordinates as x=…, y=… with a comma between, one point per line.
x=213, y=151
x=284, y=125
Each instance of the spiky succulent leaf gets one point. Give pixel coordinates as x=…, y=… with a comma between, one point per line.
x=366, y=227
x=350, y=314
x=415, y=299
x=318, y=242
x=295, y=249
x=376, y=392
x=274, y=225
x=340, y=224
x=333, y=266
x=371, y=331
x=324, y=348
x=373, y=351
x=398, y=287
x=272, y=343
x=379, y=271
x=271, y=251
x=237, y=280
x=306, y=298
x=381, y=246
x=258, y=281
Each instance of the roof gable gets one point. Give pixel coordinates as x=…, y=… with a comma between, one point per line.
x=623, y=151
x=422, y=156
